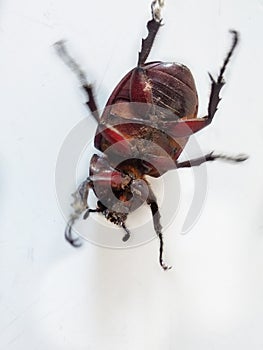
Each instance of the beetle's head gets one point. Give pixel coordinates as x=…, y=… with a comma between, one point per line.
x=119, y=190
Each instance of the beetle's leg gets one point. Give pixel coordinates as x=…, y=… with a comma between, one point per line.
x=86, y=215
x=75, y=242
x=210, y=157
x=79, y=205
x=153, y=26
x=91, y=103
x=219, y=83
x=184, y=128
x=127, y=232
x=72, y=64
x=151, y=200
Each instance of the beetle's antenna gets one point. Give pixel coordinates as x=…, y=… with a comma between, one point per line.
x=153, y=26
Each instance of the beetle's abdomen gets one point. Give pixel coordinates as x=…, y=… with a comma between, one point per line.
x=173, y=88
x=167, y=85
x=138, y=111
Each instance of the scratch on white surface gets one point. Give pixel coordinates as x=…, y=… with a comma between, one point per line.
x=31, y=19
x=30, y=254
x=19, y=316
x=14, y=339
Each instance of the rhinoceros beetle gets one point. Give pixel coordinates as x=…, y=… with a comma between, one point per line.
x=152, y=111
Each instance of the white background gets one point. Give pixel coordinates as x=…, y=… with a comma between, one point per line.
x=55, y=297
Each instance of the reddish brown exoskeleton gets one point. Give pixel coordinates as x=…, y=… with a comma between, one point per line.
x=149, y=117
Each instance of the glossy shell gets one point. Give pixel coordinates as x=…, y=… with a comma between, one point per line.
x=140, y=115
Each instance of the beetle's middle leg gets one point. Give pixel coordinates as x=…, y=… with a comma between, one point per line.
x=210, y=157
x=87, y=87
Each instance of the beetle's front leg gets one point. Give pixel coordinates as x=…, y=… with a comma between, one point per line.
x=79, y=205
x=87, y=87
x=152, y=202
x=210, y=157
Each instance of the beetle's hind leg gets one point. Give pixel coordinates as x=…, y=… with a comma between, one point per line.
x=153, y=26
x=87, y=87
x=219, y=83
x=157, y=225
x=79, y=205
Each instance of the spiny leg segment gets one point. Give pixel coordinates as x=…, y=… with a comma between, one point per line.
x=73, y=65
x=219, y=83
x=153, y=26
x=210, y=157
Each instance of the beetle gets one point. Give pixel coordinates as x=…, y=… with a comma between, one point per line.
x=142, y=131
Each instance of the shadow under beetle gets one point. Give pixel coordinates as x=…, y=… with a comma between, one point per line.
x=153, y=112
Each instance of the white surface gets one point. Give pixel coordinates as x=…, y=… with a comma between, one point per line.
x=54, y=297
